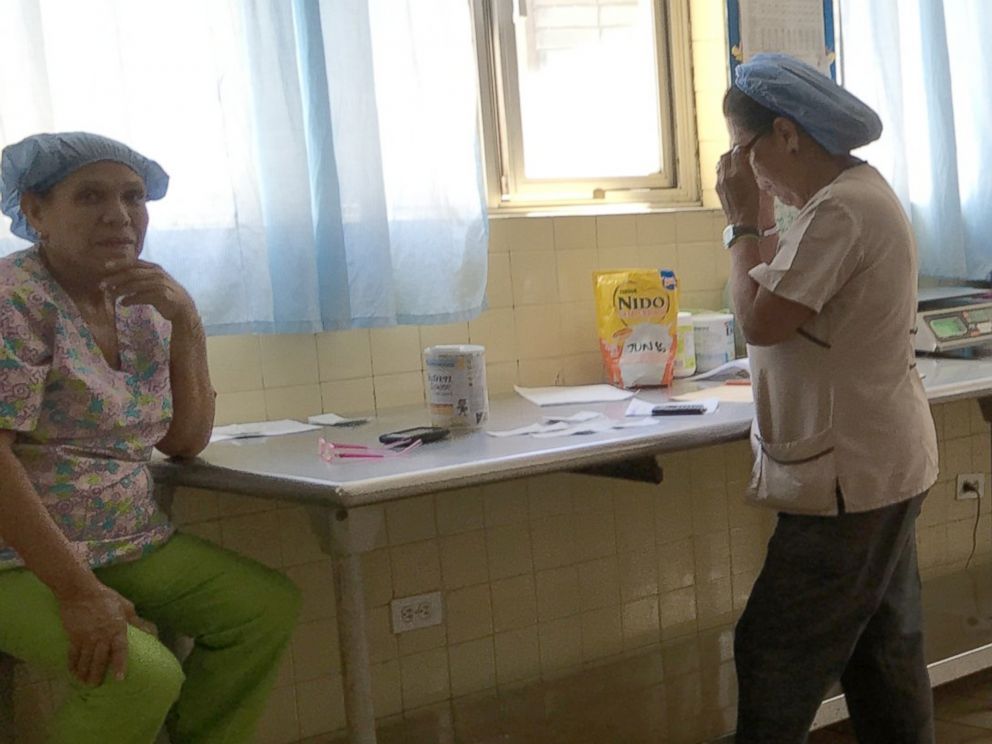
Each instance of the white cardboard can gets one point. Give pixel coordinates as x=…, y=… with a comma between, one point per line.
x=456, y=385
x=685, y=354
x=713, y=334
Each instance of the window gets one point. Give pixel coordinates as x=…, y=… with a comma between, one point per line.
x=324, y=155
x=586, y=101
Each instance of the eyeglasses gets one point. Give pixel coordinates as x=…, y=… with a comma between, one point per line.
x=751, y=142
x=331, y=451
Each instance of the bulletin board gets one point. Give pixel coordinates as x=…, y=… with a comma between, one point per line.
x=802, y=28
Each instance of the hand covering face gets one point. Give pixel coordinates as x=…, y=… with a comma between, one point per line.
x=832, y=116
x=40, y=161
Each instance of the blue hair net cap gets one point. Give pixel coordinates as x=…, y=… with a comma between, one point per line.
x=835, y=118
x=40, y=161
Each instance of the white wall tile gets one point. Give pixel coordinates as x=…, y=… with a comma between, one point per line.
x=583, y=369
x=472, y=666
x=541, y=372
x=535, y=278
x=694, y=226
x=297, y=402
x=403, y=389
x=578, y=328
x=235, y=363
x=495, y=329
x=344, y=355
x=655, y=229
x=575, y=274
x=449, y=333
x=348, y=397
x=616, y=231
x=659, y=257
x=320, y=703
x=499, y=287
x=537, y=329
x=529, y=234
x=517, y=655
x=279, y=723
x=561, y=644
x=288, y=359
x=239, y=408
x=575, y=233
x=425, y=678
x=395, y=350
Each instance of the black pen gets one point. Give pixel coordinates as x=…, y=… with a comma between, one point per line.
x=679, y=409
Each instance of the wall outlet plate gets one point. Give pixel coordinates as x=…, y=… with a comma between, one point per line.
x=419, y=611
x=970, y=486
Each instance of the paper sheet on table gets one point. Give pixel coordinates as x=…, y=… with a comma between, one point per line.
x=640, y=407
x=562, y=429
x=575, y=418
x=723, y=393
x=332, y=419
x=259, y=429
x=736, y=369
x=595, y=427
x=557, y=396
x=529, y=429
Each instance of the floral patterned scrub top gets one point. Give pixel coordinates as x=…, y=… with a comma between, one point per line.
x=85, y=431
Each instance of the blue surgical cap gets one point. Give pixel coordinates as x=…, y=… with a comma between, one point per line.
x=832, y=116
x=40, y=161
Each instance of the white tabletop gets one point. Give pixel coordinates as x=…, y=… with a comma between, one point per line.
x=289, y=468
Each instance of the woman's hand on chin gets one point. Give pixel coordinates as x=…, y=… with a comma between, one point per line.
x=146, y=283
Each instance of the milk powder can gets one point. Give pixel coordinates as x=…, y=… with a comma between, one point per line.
x=456, y=385
x=713, y=334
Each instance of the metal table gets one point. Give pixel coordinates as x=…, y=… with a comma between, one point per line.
x=288, y=468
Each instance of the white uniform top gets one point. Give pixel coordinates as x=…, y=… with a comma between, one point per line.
x=840, y=403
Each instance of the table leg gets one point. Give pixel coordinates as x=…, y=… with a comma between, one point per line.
x=345, y=535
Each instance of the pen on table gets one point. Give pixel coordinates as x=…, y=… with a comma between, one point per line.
x=738, y=382
x=682, y=411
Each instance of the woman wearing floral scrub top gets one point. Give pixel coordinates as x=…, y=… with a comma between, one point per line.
x=102, y=358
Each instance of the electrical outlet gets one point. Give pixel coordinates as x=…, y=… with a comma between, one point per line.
x=970, y=486
x=420, y=611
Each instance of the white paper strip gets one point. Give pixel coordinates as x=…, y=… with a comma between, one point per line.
x=557, y=396
x=332, y=419
x=259, y=429
x=575, y=417
x=529, y=429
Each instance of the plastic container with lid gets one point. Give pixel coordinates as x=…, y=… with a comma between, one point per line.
x=456, y=385
x=713, y=334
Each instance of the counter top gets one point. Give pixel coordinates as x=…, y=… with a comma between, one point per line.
x=289, y=468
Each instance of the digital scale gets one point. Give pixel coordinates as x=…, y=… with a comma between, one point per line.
x=953, y=320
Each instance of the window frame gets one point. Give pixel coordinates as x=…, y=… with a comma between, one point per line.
x=507, y=188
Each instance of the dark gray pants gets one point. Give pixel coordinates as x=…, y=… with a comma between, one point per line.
x=837, y=598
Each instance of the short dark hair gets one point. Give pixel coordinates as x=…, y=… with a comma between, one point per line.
x=747, y=113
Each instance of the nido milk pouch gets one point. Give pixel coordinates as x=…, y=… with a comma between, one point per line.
x=637, y=315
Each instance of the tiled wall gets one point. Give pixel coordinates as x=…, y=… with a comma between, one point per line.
x=539, y=328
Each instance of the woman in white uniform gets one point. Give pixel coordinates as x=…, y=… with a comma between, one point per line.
x=845, y=447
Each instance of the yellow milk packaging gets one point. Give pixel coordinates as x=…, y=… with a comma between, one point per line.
x=637, y=315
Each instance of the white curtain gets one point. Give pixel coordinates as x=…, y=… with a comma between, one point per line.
x=324, y=155
x=926, y=67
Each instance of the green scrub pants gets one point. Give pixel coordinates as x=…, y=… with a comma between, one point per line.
x=239, y=613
